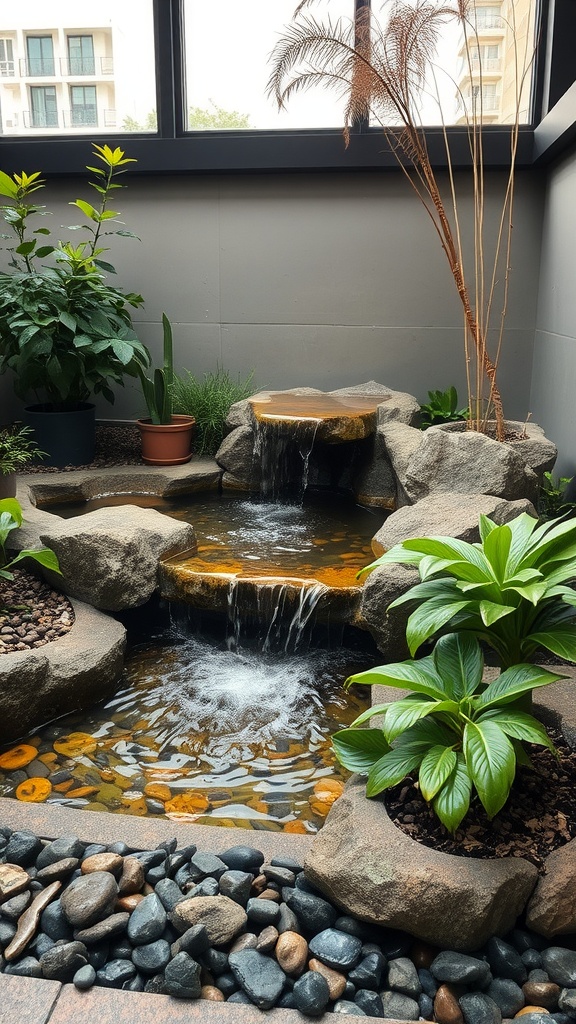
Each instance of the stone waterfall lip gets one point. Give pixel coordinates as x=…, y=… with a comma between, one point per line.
x=338, y=418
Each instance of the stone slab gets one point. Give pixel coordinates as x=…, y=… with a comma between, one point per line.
x=27, y=1000
x=109, y=1006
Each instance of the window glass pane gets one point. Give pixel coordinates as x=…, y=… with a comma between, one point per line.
x=227, y=47
x=108, y=42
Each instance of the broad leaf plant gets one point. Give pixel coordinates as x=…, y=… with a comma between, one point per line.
x=511, y=590
x=454, y=732
x=11, y=519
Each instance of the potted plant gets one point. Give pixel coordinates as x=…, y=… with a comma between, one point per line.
x=17, y=448
x=166, y=437
x=66, y=332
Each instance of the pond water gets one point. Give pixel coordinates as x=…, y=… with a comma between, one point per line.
x=198, y=732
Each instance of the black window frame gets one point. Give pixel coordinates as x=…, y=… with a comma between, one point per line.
x=173, y=149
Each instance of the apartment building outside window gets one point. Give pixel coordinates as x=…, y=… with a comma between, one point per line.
x=83, y=108
x=6, y=58
x=81, y=55
x=488, y=17
x=40, y=53
x=43, y=107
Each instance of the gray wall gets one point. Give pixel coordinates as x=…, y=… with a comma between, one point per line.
x=554, y=376
x=308, y=280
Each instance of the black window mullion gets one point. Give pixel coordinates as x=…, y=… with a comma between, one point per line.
x=164, y=33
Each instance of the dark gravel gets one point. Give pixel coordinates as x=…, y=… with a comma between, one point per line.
x=115, y=446
x=31, y=613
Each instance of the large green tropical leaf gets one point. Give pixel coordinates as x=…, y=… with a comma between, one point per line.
x=392, y=768
x=561, y=640
x=358, y=749
x=459, y=663
x=405, y=713
x=430, y=617
x=491, y=763
x=512, y=683
x=491, y=612
x=496, y=547
x=437, y=765
x=376, y=709
x=452, y=802
x=519, y=726
x=420, y=675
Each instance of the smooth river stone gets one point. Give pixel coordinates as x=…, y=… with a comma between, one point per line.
x=89, y=898
x=291, y=952
x=61, y=962
x=28, y=923
x=259, y=976
x=132, y=878
x=147, y=922
x=541, y=993
x=338, y=950
x=311, y=994
x=221, y=917
x=336, y=981
x=182, y=977
x=459, y=969
x=58, y=870
x=116, y=924
x=446, y=1006
x=560, y=963
x=111, y=862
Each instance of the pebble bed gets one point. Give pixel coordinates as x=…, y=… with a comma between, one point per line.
x=231, y=927
x=31, y=613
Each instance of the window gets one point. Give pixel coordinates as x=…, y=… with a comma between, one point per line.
x=43, y=108
x=486, y=96
x=40, y=52
x=485, y=57
x=488, y=17
x=227, y=69
x=81, y=55
x=6, y=58
x=83, y=109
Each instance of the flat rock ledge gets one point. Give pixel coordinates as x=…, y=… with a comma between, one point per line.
x=371, y=869
x=71, y=672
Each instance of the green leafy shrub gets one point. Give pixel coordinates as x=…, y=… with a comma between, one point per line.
x=10, y=519
x=554, y=500
x=209, y=400
x=17, y=449
x=511, y=590
x=66, y=332
x=455, y=732
x=442, y=407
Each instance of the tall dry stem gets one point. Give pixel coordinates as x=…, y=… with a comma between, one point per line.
x=382, y=66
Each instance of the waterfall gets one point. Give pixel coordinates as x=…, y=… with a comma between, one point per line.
x=283, y=448
x=283, y=611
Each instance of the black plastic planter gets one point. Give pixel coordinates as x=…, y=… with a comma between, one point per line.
x=68, y=438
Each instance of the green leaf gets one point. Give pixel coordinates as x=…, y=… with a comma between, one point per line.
x=86, y=208
x=419, y=675
x=486, y=526
x=404, y=713
x=519, y=725
x=25, y=248
x=491, y=763
x=561, y=641
x=391, y=769
x=45, y=557
x=68, y=320
x=13, y=508
x=123, y=351
x=376, y=709
x=496, y=547
x=431, y=617
x=459, y=663
x=359, y=749
x=452, y=802
x=512, y=683
x=451, y=548
x=436, y=767
x=491, y=612
x=8, y=187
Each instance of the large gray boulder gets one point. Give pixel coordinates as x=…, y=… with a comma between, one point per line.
x=375, y=483
x=369, y=868
x=447, y=514
x=74, y=671
x=401, y=441
x=236, y=457
x=467, y=462
x=388, y=628
x=397, y=406
x=109, y=557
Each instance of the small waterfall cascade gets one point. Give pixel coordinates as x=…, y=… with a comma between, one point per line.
x=282, y=448
x=284, y=610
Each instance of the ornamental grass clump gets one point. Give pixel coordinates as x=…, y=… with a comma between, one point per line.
x=209, y=399
x=454, y=732
x=512, y=590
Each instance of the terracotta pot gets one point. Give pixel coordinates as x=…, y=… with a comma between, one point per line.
x=167, y=444
x=7, y=485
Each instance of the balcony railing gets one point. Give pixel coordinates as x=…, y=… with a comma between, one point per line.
x=7, y=68
x=485, y=63
x=40, y=119
x=491, y=22
x=38, y=67
x=81, y=117
x=78, y=67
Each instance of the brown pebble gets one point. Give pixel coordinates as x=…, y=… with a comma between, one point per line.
x=28, y=923
x=544, y=993
x=525, y=1009
x=446, y=1006
x=267, y=939
x=13, y=880
x=111, y=862
x=212, y=993
x=336, y=981
x=269, y=894
x=259, y=884
x=422, y=955
x=132, y=878
x=291, y=952
x=147, y=889
x=130, y=902
x=246, y=941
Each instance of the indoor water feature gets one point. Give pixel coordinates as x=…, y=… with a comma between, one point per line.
x=231, y=691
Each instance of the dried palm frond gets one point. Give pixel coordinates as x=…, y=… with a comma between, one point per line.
x=382, y=67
